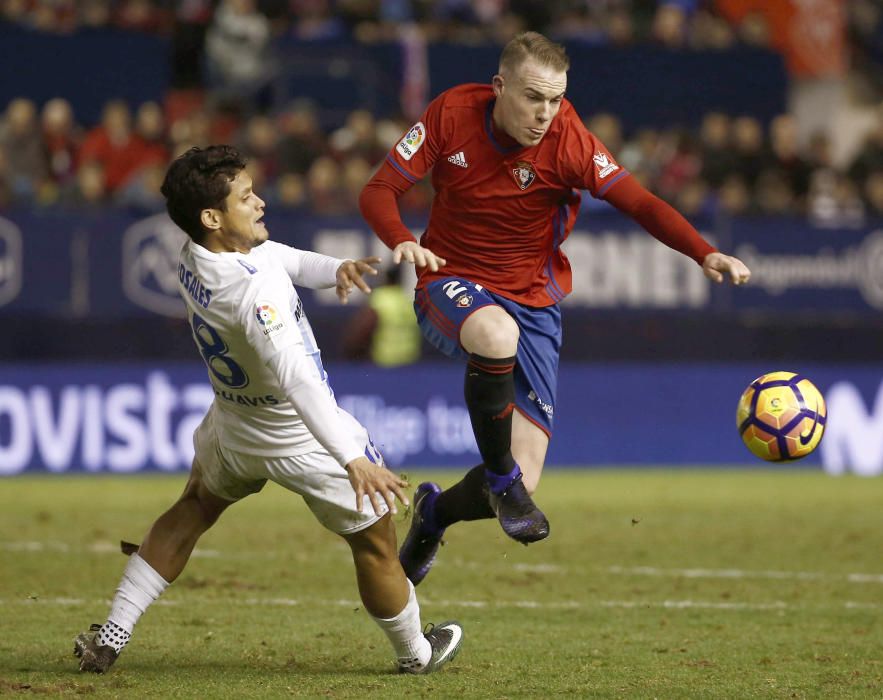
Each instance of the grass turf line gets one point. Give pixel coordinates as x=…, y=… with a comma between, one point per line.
x=669, y=584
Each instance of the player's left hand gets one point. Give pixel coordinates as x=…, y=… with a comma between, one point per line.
x=718, y=267
x=351, y=272
x=372, y=481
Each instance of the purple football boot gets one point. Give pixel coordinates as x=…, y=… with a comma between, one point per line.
x=518, y=514
x=418, y=551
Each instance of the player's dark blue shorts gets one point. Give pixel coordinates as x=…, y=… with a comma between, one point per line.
x=442, y=307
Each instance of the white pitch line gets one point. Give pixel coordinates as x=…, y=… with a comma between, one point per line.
x=540, y=568
x=482, y=604
x=94, y=548
x=744, y=573
x=29, y=546
x=685, y=604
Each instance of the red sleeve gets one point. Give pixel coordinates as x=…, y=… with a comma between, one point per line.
x=411, y=158
x=380, y=208
x=660, y=219
x=585, y=162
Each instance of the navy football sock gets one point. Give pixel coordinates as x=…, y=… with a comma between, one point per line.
x=490, y=398
x=465, y=500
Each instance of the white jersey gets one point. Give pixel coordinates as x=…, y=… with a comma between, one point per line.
x=272, y=396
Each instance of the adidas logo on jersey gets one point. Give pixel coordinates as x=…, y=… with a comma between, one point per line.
x=458, y=159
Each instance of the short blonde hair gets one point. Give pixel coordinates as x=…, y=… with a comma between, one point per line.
x=533, y=45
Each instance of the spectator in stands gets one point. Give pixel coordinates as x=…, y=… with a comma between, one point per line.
x=291, y=191
x=93, y=13
x=710, y=31
x=141, y=193
x=749, y=147
x=150, y=127
x=873, y=192
x=733, y=196
x=5, y=179
x=302, y=138
x=315, y=20
x=190, y=23
x=114, y=146
x=88, y=190
x=259, y=144
x=59, y=17
x=237, y=53
x=834, y=200
x=607, y=128
x=323, y=187
x=21, y=141
x=61, y=139
x=870, y=155
x=140, y=15
x=716, y=151
x=774, y=194
x=619, y=26
x=641, y=156
x=192, y=130
x=693, y=198
x=683, y=165
x=670, y=24
x=819, y=154
x=355, y=175
x=357, y=138
x=786, y=154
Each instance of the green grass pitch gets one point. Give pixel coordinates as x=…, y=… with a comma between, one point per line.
x=653, y=584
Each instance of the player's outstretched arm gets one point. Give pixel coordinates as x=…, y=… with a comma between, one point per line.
x=352, y=272
x=718, y=267
x=419, y=256
x=370, y=480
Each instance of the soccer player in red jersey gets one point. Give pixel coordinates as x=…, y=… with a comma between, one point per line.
x=508, y=161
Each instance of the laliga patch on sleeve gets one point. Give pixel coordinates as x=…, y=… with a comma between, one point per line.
x=412, y=141
x=269, y=319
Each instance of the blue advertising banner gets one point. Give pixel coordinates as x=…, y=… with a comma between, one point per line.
x=117, y=265
x=130, y=418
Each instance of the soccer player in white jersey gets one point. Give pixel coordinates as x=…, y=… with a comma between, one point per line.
x=274, y=415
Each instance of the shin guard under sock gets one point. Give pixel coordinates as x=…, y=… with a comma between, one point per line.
x=490, y=397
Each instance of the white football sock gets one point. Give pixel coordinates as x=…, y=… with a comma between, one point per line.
x=403, y=630
x=139, y=587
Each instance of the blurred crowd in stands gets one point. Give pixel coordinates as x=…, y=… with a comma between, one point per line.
x=731, y=164
x=676, y=23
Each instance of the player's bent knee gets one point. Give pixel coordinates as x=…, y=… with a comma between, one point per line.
x=490, y=332
x=378, y=540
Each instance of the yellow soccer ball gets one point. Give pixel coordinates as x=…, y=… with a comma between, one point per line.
x=781, y=416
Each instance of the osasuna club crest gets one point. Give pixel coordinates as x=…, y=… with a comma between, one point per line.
x=524, y=174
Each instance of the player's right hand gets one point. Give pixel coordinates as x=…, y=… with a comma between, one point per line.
x=376, y=483
x=419, y=256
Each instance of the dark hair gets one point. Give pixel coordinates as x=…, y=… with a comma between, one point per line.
x=199, y=179
x=533, y=45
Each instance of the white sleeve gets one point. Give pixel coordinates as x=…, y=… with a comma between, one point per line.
x=272, y=331
x=306, y=268
x=299, y=378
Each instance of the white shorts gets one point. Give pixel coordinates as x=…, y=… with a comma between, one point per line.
x=316, y=476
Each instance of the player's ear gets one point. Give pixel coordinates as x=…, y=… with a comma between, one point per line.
x=497, y=83
x=210, y=219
